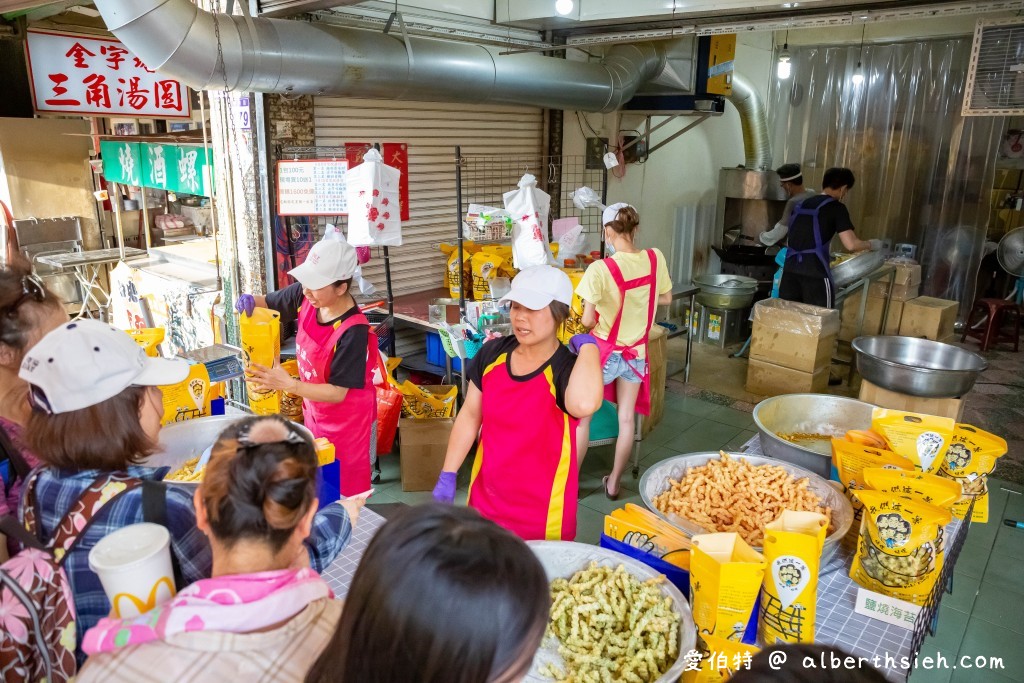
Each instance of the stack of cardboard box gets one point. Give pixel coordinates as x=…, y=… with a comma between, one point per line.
x=929, y=318
x=906, y=286
x=791, y=348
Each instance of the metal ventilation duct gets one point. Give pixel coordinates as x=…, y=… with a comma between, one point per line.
x=285, y=56
x=756, y=144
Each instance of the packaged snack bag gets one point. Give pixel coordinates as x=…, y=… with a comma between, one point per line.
x=720, y=659
x=922, y=439
x=188, y=399
x=291, y=404
x=451, y=280
x=261, y=344
x=485, y=266
x=725, y=577
x=897, y=552
x=148, y=338
x=850, y=460
x=325, y=453
x=792, y=550
x=928, y=488
x=970, y=458
x=428, y=401
x=574, y=324
x=641, y=528
x=488, y=223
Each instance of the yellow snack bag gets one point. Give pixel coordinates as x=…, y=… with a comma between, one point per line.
x=720, y=659
x=392, y=364
x=922, y=439
x=291, y=404
x=929, y=488
x=898, y=549
x=970, y=458
x=325, y=453
x=148, y=338
x=850, y=460
x=485, y=268
x=574, y=324
x=261, y=344
x=452, y=269
x=187, y=399
x=792, y=550
x=428, y=401
x=725, y=577
x=642, y=529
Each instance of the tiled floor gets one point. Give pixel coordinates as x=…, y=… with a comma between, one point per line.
x=984, y=616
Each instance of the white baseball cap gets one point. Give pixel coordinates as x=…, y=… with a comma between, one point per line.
x=538, y=286
x=611, y=212
x=86, y=362
x=328, y=261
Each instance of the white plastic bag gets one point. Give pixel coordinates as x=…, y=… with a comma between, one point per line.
x=529, y=207
x=585, y=198
x=572, y=242
x=374, y=209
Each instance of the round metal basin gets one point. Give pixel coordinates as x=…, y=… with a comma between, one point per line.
x=811, y=414
x=918, y=367
x=725, y=301
x=856, y=267
x=726, y=284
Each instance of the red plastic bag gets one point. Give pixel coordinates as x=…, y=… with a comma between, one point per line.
x=389, y=409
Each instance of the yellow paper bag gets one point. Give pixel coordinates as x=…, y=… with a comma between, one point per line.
x=188, y=399
x=291, y=404
x=720, y=659
x=725, y=577
x=970, y=458
x=261, y=344
x=642, y=529
x=485, y=265
x=148, y=338
x=850, y=460
x=922, y=439
x=792, y=550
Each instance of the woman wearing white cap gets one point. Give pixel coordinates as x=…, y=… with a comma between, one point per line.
x=620, y=295
x=526, y=396
x=334, y=345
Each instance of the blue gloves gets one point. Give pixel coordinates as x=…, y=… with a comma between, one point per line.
x=444, y=491
x=579, y=340
x=246, y=303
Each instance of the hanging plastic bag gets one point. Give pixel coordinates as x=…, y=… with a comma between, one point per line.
x=374, y=206
x=586, y=198
x=572, y=242
x=529, y=209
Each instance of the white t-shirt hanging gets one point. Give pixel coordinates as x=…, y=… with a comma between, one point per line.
x=374, y=212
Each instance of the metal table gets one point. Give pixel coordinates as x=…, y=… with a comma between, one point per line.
x=689, y=292
x=86, y=267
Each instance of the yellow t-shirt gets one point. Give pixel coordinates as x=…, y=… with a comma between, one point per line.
x=598, y=288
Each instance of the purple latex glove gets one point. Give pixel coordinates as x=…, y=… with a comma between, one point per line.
x=246, y=303
x=444, y=491
x=579, y=340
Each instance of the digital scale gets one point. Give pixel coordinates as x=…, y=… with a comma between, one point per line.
x=222, y=362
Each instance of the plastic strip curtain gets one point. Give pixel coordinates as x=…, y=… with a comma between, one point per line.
x=924, y=173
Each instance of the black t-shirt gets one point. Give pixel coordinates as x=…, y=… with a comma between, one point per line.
x=562, y=363
x=833, y=219
x=348, y=366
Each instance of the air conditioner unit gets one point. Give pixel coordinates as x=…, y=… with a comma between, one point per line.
x=995, y=78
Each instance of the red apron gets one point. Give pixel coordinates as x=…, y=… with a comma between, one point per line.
x=611, y=345
x=525, y=476
x=348, y=425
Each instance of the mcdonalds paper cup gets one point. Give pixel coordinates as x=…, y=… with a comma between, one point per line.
x=134, y=566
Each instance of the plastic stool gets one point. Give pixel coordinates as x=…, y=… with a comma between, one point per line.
x=997, y=311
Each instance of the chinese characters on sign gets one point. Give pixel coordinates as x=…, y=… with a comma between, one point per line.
x=86, y=75
x=891, y=610
x=178, y=168
x=312, y=187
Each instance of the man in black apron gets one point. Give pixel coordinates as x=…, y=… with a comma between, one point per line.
x=806, y=276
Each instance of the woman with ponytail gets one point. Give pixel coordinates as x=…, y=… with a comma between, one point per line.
x=265, y=615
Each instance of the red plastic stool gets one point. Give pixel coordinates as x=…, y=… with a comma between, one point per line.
x=998, y=312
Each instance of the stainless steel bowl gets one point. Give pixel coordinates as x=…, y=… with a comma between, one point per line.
x=655, y=481
x=726, y=284
x=853, y=269
x=562, y=559
x=820, y=414
x=725, y=301
x=919, y=367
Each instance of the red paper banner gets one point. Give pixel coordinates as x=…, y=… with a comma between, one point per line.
x=396, y=155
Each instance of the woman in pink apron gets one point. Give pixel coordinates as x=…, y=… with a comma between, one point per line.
x=526, y=395
x=620, y=295
x=336, y=352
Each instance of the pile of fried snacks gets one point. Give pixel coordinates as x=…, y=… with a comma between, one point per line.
x=187, y=472
x=731, y=495
x=611, y=626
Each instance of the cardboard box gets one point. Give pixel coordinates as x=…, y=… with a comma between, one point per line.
x=793, y=335
x=899, y=292
x=768, y=379
x=883, y=398
x=906, y=275
x=423, y=443
x=929, y=317
x=657, y=347
x=872, y=317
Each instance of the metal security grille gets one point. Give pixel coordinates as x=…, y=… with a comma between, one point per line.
x=995, y=78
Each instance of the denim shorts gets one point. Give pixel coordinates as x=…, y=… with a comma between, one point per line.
x=629, y=370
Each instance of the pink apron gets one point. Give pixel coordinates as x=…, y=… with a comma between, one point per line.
x=348, y=425
x=628, y=351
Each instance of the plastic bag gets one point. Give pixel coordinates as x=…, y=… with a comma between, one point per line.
x=792, y=550
x=725, y=577
x=291, y=404
x=586, y=198
x=261, y=344
x=572, y=242
x=970, y=458
x=487, y=223
x=928, y=488
x=428, y=401
x=922, y=439
x=850, y=460
x=374, y=204
x=529, y=207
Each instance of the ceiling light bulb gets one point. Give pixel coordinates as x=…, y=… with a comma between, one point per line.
x=858, y=75
x=563, y=7
x=784, y=69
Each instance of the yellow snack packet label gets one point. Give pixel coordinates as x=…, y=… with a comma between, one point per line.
x=792, y=550
x=148, y=338
x=899, y=549
x=720, y=659
x=430, y=401
x=189, y=398
x=261, y=344
x=930, y=488
x=725, y=577
x=922, y=439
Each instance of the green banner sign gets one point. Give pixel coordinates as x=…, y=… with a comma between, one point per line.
x=122, y=162
x=184, y=169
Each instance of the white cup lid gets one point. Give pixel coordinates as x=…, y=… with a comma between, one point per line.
x=128, y=546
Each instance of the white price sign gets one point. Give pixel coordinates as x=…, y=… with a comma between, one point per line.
x=890, y=610
x=311, y=187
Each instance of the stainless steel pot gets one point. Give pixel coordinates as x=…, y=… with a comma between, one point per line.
x=919, y=367
x=725, y=301
x=808, y=414
x=726, y=284
x=856, y=267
